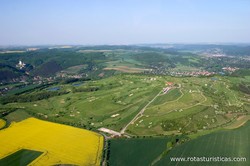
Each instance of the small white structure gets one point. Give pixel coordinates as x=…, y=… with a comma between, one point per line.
x=115, y=115
x=20, y=64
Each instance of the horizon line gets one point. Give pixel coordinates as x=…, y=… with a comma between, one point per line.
x=132, y=44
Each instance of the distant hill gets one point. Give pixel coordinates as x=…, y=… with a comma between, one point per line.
x=48, y=69
x=233, y=50
x=8, y=72
x=241, y=73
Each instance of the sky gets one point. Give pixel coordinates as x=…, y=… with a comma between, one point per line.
x=94, y=22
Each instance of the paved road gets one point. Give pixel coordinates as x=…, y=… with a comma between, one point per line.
x=140, y=113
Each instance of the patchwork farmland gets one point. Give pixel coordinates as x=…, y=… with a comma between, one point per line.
x=46, y=143
x=130, y=105
x=158, y=151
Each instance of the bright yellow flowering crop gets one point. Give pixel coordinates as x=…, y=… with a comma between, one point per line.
x=61, y=144
x=2, y=123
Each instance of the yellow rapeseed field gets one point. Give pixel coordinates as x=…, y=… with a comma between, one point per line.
x=61, y=144
x=2, y=123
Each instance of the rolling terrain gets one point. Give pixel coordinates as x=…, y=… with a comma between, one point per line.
x=145, y=104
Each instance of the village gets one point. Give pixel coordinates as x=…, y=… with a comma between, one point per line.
x=193, y=73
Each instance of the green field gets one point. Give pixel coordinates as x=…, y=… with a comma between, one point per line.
x=21, y=157
x=17, y=116
x=124, y=95
x=124, y=152
x=228, y=143
x=172, y=95
x=192, y=105
x=153, y=151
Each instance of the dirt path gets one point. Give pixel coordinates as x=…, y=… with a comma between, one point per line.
x=240, y=121
x=139, y=114
x=182, y=94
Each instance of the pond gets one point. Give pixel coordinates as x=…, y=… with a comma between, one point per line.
x=77, y=84
x=214, y=78
x=54, y=89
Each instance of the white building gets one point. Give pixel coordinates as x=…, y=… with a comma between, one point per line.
x=20, y=64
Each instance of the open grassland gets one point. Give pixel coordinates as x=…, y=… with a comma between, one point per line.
x=74, y=69
x=125, y=64
x=171, y=96
x=60, y=144
x=17, y=116
x=129, y=63
x=2, y=123
x=228, y=143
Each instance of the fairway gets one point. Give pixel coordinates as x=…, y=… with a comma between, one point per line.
x=170, y=96
x=60, y=144
x=229, y=143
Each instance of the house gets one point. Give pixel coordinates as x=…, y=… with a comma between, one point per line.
x=169, y=83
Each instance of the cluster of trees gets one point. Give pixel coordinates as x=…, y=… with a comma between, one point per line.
x=8, y=72
x=85, y=89
x=72, y=80
x=243, y=87
x=241, y=73
x=46, y=62
x=108, y=152
x=30, y=97
x=153, y=58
